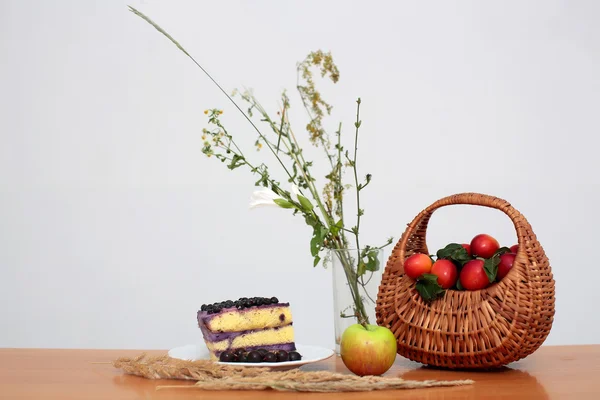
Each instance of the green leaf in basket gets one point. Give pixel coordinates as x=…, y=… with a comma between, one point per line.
x=456, y=253
x=502, y=250
x=447, y=251
x=490, y=266
x=428, y=287
x=460, y=256
x=459, y=286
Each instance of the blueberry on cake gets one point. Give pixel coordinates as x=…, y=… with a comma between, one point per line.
x=255, y=329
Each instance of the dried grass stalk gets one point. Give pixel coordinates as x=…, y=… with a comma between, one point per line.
x=212, y=376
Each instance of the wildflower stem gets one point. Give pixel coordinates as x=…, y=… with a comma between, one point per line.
x=339, y=187
x=360, y=313
x=255, y=103
x=309, y=180
x=298, y=158
x=147, y=19
x=359, y=212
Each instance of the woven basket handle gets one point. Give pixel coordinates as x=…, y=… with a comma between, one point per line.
x=413, y=239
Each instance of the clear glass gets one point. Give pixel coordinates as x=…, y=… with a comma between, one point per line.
x=343, y=263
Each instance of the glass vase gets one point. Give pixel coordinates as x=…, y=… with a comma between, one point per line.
x=354, y=295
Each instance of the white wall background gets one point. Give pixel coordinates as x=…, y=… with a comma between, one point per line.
x=114, y=228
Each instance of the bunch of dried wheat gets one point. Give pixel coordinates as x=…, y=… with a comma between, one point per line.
x=212, y=376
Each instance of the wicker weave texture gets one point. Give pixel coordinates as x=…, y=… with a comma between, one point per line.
x=469, y=329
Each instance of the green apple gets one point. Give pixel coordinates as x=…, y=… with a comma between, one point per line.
x=368, y=351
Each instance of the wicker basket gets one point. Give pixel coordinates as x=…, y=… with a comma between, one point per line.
x=469, y=329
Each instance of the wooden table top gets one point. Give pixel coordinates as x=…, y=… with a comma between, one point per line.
x=553, y=372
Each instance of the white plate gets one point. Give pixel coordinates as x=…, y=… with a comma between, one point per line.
x=310, y=354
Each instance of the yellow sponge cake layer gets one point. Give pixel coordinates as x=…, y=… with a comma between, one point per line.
x=264, y=338
x=254, y=339
x=255, y=318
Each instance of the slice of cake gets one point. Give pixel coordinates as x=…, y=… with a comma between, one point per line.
x=247, y=324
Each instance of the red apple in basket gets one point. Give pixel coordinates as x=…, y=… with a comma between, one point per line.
x=417, y=265
x=446, y=273
x=473, y=276
x=506, y=263
x=368, y=351
x=484, y=246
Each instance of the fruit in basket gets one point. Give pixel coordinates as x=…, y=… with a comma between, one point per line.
x=514, y=248
x=457, y=266
x=473, y=276
x=417, y=265
x=446, y=273
x=505, y=265
x=368, y=351
x=484, y=245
